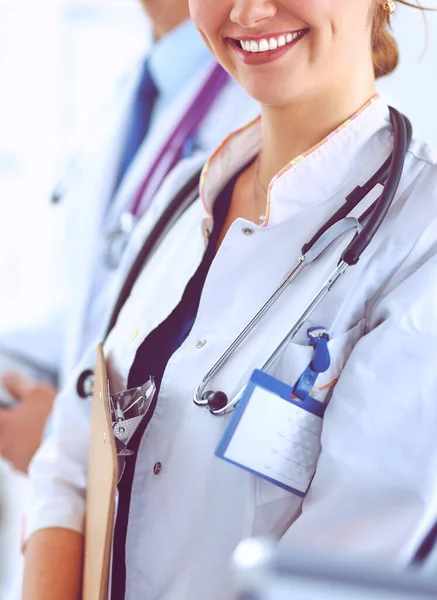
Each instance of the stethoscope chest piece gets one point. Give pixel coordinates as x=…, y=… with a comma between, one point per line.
x=215, y=400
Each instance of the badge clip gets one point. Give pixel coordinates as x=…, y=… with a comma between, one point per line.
x=318, y=338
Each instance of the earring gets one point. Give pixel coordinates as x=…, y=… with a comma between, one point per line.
x=389, y=7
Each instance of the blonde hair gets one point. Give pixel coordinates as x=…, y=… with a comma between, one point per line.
x=385, y=52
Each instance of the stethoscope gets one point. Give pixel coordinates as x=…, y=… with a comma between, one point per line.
x=365, y=227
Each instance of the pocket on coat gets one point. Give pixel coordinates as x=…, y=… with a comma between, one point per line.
x=293, y=362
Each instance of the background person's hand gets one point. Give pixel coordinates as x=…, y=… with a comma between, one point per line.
x=22, y=425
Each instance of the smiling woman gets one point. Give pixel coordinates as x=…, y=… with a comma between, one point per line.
x=342, y=469
x=333, y=44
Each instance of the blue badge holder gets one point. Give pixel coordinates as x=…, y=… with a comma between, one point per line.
x=303, y=416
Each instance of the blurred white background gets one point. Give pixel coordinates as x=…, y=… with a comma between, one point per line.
x=59, y=60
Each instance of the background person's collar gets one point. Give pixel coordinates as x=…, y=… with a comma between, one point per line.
x=176, y=58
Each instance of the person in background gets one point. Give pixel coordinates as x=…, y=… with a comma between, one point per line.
x=176, y=104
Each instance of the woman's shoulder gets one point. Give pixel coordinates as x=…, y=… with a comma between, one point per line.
x=419, y=182
x=409, y=247
x=424, y=155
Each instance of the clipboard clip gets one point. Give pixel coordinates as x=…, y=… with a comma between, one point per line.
x=128, y=408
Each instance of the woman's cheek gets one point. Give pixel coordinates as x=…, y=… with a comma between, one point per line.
x=210, y=17
x=207, y=14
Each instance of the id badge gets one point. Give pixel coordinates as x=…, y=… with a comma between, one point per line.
x=275, y=435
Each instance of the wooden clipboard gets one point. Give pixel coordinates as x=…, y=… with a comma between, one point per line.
x=101, y=490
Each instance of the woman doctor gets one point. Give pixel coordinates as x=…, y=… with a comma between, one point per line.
x=264, y=193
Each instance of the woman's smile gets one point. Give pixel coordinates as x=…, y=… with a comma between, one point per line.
x=265, y=48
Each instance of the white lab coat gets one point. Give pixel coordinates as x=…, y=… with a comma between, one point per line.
x=55, y=344
x=377, y=472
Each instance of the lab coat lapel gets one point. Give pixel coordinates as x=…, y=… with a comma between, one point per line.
x=364, y=137
x=346, y=158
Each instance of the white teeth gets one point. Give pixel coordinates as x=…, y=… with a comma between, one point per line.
x=272, y=44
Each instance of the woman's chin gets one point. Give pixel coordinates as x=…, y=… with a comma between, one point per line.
x=275, y=96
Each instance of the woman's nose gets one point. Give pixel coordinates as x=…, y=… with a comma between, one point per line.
x=248, y=13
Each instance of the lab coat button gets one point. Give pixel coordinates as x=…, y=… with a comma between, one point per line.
x=248, y=231
x=200, y=344
x=157, y=469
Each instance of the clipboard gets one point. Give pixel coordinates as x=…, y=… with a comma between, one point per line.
x=101, y=490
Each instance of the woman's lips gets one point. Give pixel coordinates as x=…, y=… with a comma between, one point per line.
x=266, y=56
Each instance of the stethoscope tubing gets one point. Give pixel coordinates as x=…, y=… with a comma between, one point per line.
x=402, y=132
x=185, y=197
x=170, y=154
x=339, y=270
x=317, y=248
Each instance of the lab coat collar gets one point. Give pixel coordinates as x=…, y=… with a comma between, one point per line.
x=176, y=58
x=346, y=157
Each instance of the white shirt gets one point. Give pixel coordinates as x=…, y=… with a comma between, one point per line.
x=377, y=472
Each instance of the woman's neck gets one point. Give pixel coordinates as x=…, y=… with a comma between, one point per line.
x=166, y=15
x=289, y=131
